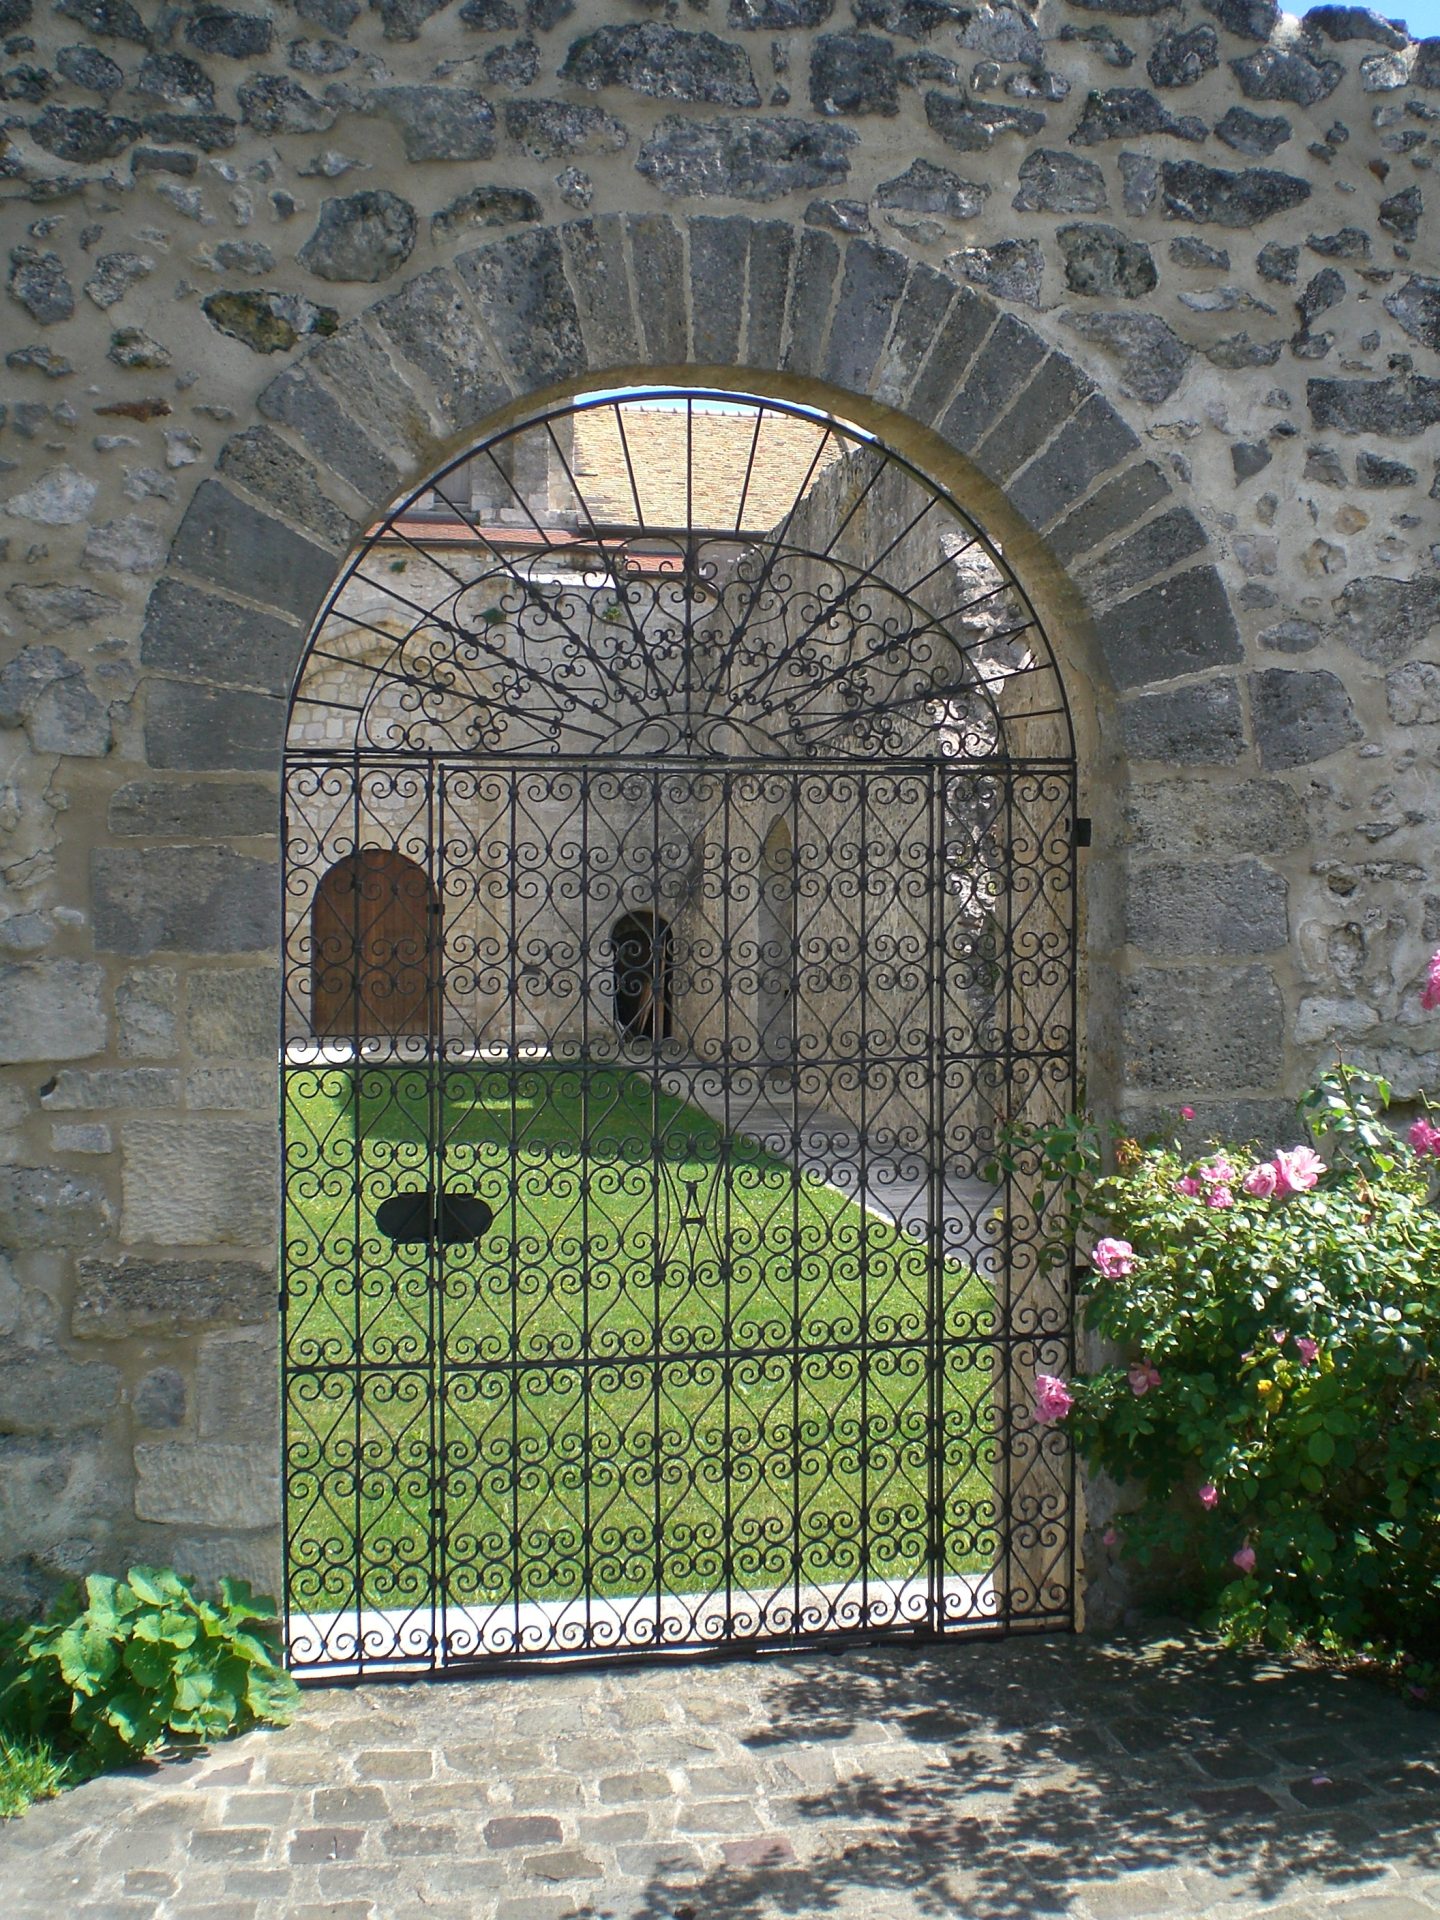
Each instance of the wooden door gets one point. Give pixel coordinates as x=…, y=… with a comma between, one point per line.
x=375, y=930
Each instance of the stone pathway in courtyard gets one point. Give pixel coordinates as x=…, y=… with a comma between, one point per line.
x=1022, y=1777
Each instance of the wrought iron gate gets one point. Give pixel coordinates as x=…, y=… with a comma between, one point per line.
x=702, y=773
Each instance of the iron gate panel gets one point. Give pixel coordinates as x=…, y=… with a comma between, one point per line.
x=732, y=992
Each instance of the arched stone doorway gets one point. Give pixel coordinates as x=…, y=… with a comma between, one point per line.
x=733, y=744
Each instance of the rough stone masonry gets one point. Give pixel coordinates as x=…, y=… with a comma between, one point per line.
x=1153, y=286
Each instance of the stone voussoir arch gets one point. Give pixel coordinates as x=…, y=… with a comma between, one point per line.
x=365, y=415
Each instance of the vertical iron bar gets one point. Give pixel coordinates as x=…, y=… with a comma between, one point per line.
x=936, y=1344
x=434, y=1043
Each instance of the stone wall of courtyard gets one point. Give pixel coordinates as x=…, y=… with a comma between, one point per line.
x=1153, y=287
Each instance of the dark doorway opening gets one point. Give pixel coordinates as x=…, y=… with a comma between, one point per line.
x=644, y=963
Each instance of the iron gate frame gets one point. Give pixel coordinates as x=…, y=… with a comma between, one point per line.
x=341, y=1654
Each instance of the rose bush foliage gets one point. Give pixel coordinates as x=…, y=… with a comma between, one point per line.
x=1274, y=1403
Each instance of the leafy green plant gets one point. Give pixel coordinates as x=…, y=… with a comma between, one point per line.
x=1275, y=1403
x=132, y=1664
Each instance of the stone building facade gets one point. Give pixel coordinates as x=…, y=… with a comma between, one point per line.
x=1153, y=288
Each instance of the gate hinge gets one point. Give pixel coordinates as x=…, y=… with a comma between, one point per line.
x=1080, y=831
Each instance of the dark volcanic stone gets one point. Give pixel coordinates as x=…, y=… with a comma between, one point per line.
x=1268, y=74
x=1253, y=134
x=666, y=63
x=1179, y=627
x=1053, y=181
x=89, y=68
x=320, y=57
x=238, y=36
x=1274, y=262
x=28, y=84
x=1355, y=23
x=39, y=282
x=485, y=207
x=261, y=461
x=1134, y=9
x=336, y=15
x=403, y=19
x=1151, y=357
x=853, y=73
x=107, y=19
x=513, y=66
x=1300, y=717
x=1124, y=113
x=439, y=123
x=83, y=134
x=911, y=19
x=1180, y=59
x=211, y=132
x=746, y=159
x=550, y=129
x=1350, y=243
x=1186, y=251
x=270, y=103
x=972, y=126
x=780, y=16
x=926, y=188
x=1374, y=470
x=1383, y=619
x=838, y=216
x=1199, y=725
x=1102, y=262
x=1322, y=291
x=1193, y=191
x=176, y=80
x=542, y=15
x=1426, y=70
x=365, y=237
x=1011, y=269
x=1400, y=214
x=489, y=16
x=1248, y=19
x=1249, y=457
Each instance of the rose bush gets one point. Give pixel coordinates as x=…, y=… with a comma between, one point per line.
x=1274, y=1406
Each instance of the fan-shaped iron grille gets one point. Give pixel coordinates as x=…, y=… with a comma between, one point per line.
x=679, y=900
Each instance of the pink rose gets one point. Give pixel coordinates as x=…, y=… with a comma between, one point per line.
x=1297, y=1169
x=1208, y=1496
x=1113, y=1259
x=1110, y=1537
x=1306, y=1348
x=1424, y=1137
x=1188, y=1184
x=1053, y=1399
x=1142, y=1377
x=1430, y=992
x=1244, y=1558
x=1187, y=1113
x=1260, y=1181
x=1279, y=1336
x=1220, y=1197
x=1219, y=1172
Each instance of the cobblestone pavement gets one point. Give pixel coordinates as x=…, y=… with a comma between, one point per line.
x=1026, y=1777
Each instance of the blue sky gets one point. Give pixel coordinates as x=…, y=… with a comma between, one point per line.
x=1421, y=16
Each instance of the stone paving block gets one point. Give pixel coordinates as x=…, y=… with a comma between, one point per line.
x=571, y=1863
x=395, y=1763
x=229, y=1843
x=521, y=1830
x=402, y=1839
x=313, y=1845
x=715, y=1816
x=610, y=1829
x=621, y=1788
x=759, y=1850
x=344, y=1805
x=539, y=1790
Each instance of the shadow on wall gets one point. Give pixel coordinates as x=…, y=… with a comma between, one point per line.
x=1046, y=1771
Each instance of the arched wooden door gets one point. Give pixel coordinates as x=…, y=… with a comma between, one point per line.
x=375, y=927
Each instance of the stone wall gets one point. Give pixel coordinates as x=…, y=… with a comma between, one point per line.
x=1154, y=287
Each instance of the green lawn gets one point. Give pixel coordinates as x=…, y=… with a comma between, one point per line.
x=673, y=1364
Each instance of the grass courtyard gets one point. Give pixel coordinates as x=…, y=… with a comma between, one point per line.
x=673, y=1364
